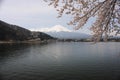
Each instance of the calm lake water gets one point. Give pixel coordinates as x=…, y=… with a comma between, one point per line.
x=60, y=61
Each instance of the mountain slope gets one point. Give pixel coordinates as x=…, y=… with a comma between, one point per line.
x=10, y=32
x=61, y=32
x=57, y=28
x=69, y=35
x=13, y=32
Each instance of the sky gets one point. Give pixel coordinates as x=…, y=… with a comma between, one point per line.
x=33, y=14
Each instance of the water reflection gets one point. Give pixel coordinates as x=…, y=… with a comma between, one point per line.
x=60, y=61
x=14, y=49
x=7, y=49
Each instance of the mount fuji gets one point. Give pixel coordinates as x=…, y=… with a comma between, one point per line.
x=57, y=28
x=61, y=32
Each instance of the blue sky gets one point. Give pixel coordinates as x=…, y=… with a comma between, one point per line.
x=32, y=14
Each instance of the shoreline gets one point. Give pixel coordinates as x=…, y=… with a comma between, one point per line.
x=42, y=42
x=29, y=41
x=12, y=42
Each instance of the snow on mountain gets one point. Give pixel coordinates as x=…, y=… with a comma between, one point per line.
x=68, y=35
x=61, y=32
x=57, y=28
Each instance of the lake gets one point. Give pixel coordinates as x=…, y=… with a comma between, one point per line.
x=60, y=61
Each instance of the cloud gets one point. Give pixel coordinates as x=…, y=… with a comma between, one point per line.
x=31, y=14
x=25, y=7
x=28, y=13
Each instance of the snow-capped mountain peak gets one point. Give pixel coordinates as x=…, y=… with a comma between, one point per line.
x=57, y=28
x=61, y=32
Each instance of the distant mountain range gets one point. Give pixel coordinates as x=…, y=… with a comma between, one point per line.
x=9, y=32
x=61, y=32
x=57, y=28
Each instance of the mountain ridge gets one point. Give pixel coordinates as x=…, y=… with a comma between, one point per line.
x=9, y=32
x=61, y=32
x=56, y=28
